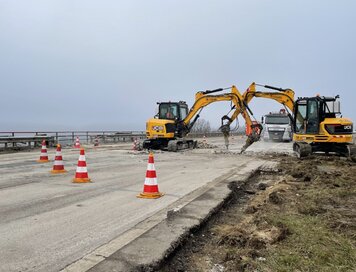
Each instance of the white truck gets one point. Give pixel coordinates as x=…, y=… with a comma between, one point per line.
x=277, y=126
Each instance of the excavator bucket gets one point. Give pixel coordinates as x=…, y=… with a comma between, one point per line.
x=225, y=129
x=254, y=136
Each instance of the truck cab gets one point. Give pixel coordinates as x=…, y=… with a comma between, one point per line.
x=277, y=126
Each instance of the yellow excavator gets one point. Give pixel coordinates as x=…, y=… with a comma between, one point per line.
x=317, y=126
x=169, y=128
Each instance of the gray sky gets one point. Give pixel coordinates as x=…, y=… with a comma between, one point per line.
x=104, y=64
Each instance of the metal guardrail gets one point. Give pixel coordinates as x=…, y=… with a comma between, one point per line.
x=32, y=139
x=24, y=139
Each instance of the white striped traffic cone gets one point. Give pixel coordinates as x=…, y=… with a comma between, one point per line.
x=81, y=175
x=77, y=143
x=58, y=166
x=44, y=155
x=205, y=142
x=150, y=187
x=135, y=145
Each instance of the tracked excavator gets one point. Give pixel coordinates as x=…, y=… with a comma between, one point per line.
x=169, y=129
x=317, y=122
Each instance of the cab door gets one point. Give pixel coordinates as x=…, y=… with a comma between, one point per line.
x=312, y=121
x=307, y=117
x=300, y=116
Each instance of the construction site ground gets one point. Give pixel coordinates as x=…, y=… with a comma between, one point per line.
x=299, y=216
x=222, y=211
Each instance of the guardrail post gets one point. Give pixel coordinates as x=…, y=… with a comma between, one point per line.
x=87, y=133
x=57, y=138
x=13, y=143
x=72, y=138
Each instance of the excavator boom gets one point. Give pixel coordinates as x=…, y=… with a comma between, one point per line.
x=283, y=96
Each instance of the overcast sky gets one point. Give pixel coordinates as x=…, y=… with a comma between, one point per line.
x=80, y=65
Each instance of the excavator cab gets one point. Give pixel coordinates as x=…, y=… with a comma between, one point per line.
x=312, y=111
x=172, y=110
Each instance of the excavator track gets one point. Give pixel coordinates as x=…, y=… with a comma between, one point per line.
x=177, y=145
x=302, y=150
x=352, y=152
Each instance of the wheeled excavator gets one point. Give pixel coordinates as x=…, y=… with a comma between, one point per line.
x=173, y=122
x=316, y=122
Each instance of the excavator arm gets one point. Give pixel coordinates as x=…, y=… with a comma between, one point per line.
x=283, y=96
x=203, y=99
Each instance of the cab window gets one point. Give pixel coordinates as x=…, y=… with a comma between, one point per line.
x=313, y=117
x=183, y=112
x=300, y=117
x=168, y=111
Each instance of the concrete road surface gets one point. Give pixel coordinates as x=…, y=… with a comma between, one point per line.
x=47, y=222
x=260, y=147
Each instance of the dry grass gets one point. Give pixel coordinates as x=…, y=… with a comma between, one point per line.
x=311, y=246
x=305, y=221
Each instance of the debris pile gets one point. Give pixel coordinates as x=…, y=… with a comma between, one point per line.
x=203, y=144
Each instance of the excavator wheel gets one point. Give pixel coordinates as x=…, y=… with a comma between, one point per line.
x=352, y=152
x=302, y=150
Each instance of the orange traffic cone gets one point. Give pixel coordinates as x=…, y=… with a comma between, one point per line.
x=44, y=155
x=58, y=166
x=81, y=175
x=77, y=143
x=150, y=187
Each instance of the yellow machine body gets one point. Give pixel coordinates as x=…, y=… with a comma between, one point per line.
x=156, y=128
x=324, y=136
